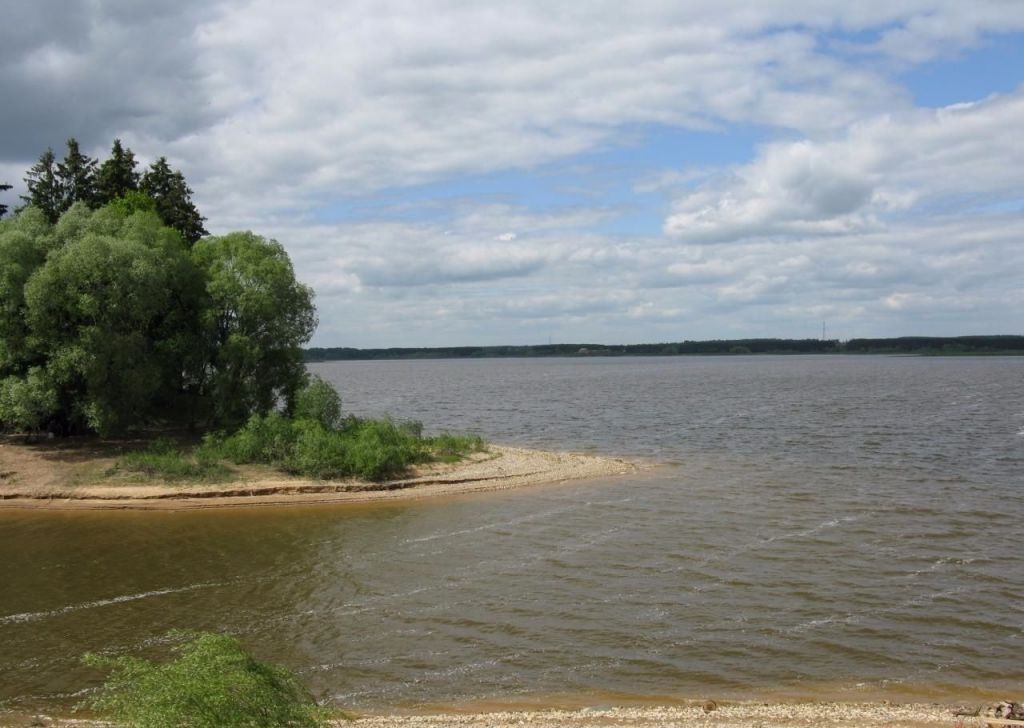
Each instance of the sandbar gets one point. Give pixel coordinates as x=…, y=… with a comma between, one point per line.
x=42, y=478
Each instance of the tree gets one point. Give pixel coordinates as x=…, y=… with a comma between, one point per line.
x=44, y=187
x=117, y=175
x=109, y=322
x=3, y=207
x=173, y=199
x=77, y=177
x=24, y=242
x=255, y=322
x=100, y=306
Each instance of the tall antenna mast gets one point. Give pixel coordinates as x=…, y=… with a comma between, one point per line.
x=823, y=329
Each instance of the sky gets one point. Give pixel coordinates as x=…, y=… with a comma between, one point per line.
x=447, y=173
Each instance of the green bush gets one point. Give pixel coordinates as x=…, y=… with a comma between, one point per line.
x=318, y=453
x=263, y=439
x=26, y=404
x=370, y=449
x=214, y=683
x=319, y=401
x=378, y=449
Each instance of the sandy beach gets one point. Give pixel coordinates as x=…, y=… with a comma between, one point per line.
x=46, y=478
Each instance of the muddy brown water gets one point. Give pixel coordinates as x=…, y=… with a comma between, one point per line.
x=826, y=527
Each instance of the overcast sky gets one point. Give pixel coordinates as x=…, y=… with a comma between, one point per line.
x=448, y=173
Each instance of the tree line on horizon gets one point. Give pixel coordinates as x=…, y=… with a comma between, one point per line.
x=53, y=186
x=899, y=345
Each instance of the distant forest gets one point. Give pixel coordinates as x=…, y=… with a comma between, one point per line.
x=919, y=345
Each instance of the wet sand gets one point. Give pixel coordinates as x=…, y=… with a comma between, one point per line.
x=37, y=479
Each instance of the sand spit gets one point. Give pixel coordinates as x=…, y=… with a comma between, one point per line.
x=32, y=481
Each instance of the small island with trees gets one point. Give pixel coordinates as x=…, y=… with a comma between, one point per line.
x=142, y=360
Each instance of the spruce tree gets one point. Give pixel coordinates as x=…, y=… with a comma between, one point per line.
x=117, y=176
x=77, y=176
x=3, y=207
x=173, y=198
x=44, y=187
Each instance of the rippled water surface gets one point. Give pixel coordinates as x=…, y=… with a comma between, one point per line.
x=824, y=524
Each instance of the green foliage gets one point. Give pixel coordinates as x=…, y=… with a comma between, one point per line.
x=44, y=187
x=164, y=460
x=132, y=202
x=77, y=175
x=319, y=401
x=54, y=187
x=370, y=449
x=98, y=305
x=117, y=176
x=256, y=320
x=214, y=683
x=127, y=327
x=24, y=242
x=27, y=403
x=173, y=199
x=267, y=439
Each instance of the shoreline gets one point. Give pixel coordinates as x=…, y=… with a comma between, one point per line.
x=684, y=714
x=500, y=467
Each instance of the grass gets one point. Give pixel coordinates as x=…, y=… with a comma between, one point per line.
x=163, y=460
x=213, y=683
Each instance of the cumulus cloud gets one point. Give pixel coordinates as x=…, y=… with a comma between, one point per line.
x=956, y=158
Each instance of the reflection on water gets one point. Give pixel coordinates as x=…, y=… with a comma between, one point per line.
x=833, y=524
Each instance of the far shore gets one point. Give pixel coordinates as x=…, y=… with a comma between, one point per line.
x=48, y=476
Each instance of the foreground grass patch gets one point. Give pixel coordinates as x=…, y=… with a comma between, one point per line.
x=214, y=683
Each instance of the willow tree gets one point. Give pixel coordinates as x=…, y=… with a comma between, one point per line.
x=109, y=322
x=256, y=318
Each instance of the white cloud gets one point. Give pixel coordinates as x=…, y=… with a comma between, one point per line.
x=953, y=159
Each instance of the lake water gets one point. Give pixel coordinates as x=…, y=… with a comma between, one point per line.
x=823, y=526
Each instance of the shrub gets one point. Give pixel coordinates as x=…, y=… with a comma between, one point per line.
x=214, y=683
x=371, y=449
x=378, y=449
x=267, y=439
x=27, y=403
x=319, y=401
x=318, y=452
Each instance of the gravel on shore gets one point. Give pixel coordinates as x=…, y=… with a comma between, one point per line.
x=732, y=715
